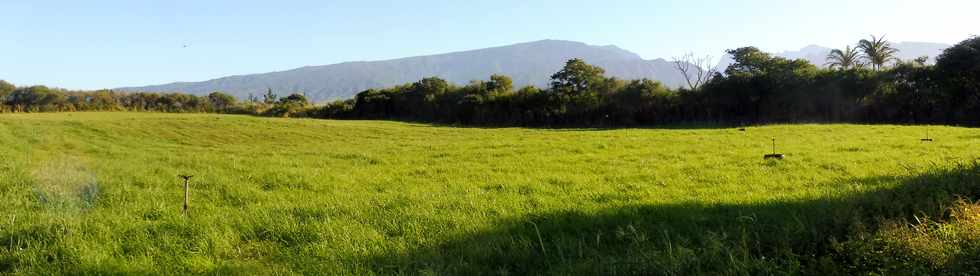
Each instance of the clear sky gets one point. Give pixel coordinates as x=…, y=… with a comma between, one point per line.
x=104, y=44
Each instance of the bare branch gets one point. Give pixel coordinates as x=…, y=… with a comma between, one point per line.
x=696, y=70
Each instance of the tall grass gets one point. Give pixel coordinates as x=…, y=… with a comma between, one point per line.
x=99, y=193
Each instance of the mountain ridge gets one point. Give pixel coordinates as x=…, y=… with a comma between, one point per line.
x=527, y=63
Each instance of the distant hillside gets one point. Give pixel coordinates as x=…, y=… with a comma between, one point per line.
x=818, y=54
x=527, y=63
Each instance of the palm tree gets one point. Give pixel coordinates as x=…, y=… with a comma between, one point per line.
x=846, y=59
x=877, y=51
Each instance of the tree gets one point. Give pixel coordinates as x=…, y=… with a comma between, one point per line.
x=577, y=77
x=748, y=60
x=695, y=70
x=847, y=59
x=921, y=60
x=269, y=97
x=289, y=105
x=430, y=87
x=577, y=91
x=221, y=101
x=335, y=109
x=500, y=84
x=639, y=101
x=760, y=87
x=877, y=52
x=962, y=60
x=374, y=104
x=39, y=97
x=959, y=72
x=5, y=89
x=295, y=98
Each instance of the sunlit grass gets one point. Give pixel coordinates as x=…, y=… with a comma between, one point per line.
x=99, y=192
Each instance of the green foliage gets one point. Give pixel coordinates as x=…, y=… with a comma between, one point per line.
x=294, y=98
x=500, y=84
x=45, y=99
x=961, y=60
x=762, y=88
x=756, y=88
x=749, y=61
x=578, y=92
x=577, y=78
x=335, y=109
x=641, y=101
x=877, y=52
x=847, y=59
x=270, y=97
x=293, y=105
x=222, y=101
x=6, y=88
x=958, y=70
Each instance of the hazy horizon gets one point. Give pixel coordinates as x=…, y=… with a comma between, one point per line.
x=108, y=44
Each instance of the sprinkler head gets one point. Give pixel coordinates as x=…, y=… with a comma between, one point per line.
x=774, y=155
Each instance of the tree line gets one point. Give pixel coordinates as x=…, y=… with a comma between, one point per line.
x=864, y=84
x=41, y=98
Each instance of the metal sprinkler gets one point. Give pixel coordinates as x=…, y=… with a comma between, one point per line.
x=187, y=192
x=773, y=155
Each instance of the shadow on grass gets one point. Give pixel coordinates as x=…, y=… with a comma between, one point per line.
x=826, y=235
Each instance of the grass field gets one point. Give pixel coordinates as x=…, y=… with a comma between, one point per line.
x=99, y=193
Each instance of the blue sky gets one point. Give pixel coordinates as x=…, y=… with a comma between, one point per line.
x=104, y=44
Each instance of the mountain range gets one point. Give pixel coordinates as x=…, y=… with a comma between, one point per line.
x=530, y=63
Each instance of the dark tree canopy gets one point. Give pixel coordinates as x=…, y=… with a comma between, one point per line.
x=221, y=100
x=6, y=87
x=295, y=98
x=577, y=77
x=959, y=70
x=500, y=84
x=269, y=97
x=962, y=60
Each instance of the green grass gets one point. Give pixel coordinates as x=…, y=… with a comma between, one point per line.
x=99, y=193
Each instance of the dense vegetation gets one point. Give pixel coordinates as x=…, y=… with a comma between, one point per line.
x=98, y=193
x=864, y=84
x=757, y=88
x=44, y=99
